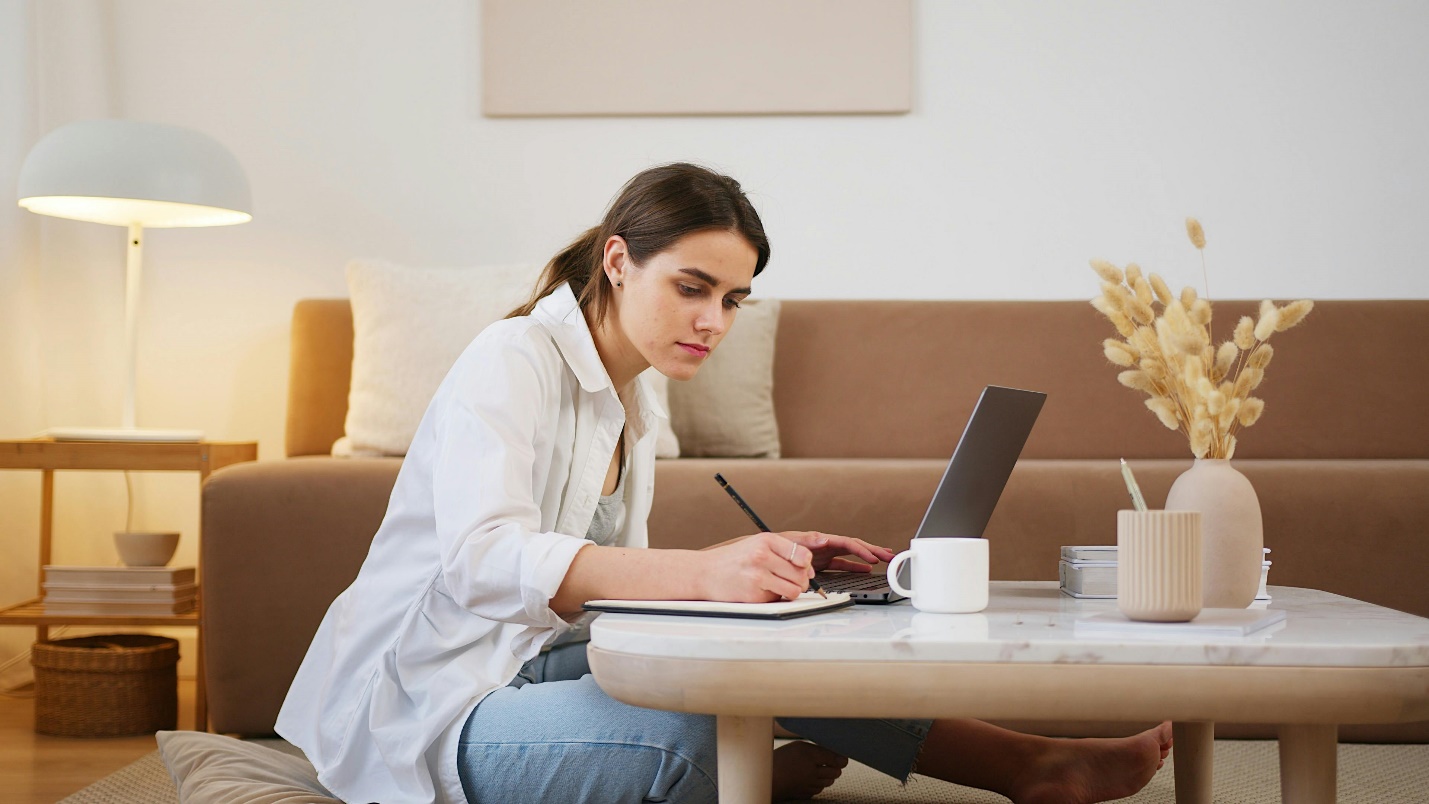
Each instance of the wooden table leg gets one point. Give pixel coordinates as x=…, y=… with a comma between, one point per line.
x=746, y=758
x=1195, y=748
x=1308, y=757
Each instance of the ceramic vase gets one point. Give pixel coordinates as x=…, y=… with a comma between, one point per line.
x=1232, y=542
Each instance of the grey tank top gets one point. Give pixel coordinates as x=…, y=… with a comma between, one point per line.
x=602, y=531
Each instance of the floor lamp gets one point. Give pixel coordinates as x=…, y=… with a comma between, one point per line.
x=136, y=175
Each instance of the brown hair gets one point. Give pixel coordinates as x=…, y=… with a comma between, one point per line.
x=654, y=209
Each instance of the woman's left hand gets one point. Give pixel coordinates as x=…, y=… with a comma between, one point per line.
x=830, y=551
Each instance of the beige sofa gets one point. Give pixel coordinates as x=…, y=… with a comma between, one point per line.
x=871, y=397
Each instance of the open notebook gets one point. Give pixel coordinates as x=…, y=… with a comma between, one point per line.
x=802, y=606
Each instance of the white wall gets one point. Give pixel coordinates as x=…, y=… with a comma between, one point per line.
x=1042, y=135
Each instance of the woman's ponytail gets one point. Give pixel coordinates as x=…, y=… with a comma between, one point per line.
x=574, y=265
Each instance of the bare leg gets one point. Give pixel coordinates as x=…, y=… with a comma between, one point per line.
x=1029, y=769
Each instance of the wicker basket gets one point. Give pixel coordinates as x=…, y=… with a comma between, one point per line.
x=106, y=686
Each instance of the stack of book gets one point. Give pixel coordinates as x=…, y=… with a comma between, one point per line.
x=1089, y=571
x=119, y=591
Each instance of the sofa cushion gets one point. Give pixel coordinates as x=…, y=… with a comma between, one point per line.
x=211, y=768
x=727, y=410
x=410, y=325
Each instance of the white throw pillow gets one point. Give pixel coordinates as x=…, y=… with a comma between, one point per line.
x=727, y=410
x=409, y=327
x=211, y=768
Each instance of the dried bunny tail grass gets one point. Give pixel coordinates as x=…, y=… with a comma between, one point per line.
x=1187, y=338
x=1228, y=413
x=1118, y=352
x=1269, y=320
x=1250, y=411
x=1266, y=305
x=1142, y=289
x=1293, y=313
x=1137, y=380
x=1196, y=233
x=1225, y=358
x=1192, y=374
x=1107, y=271
x=1248, y=381
x=1201, y=433
x=1140, y=311
x=1188, y=297
x=1230, y=447
x=1144, y=339
x=1215, y=402
x=1122, y=323
x=1201, y=312
x=1117, y=296
x=1260, y=358
x=1208, y=358
x=1154, y=368
x=1165, y=411
x=1245, y=334
x=1133, y=273
x=1205, y=388
x=1162, y=291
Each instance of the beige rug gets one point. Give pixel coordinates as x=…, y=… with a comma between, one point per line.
x=1247, y=772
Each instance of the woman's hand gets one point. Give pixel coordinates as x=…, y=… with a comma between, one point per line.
x=829, y=550
x=767, y=567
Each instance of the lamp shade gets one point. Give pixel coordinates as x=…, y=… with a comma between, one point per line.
x=123, y=173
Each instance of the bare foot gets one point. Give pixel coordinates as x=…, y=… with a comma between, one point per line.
x=803, y=770
x=1084, y=771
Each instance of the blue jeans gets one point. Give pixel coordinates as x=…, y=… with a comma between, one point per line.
x=552, y=735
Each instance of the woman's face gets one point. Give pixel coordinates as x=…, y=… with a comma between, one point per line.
x=676, y=307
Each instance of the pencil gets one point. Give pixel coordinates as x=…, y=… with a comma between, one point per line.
x=1137, y=501
x=759, y=523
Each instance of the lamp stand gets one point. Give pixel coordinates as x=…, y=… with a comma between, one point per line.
x=133, y=275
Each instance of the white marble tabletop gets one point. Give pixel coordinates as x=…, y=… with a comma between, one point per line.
x=1032, y=622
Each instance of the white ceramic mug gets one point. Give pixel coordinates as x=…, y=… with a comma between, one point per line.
x=949, y=575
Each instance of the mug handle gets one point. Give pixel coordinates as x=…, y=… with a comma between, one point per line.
x=893, y=567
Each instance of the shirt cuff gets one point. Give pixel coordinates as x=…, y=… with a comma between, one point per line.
x=545, y=561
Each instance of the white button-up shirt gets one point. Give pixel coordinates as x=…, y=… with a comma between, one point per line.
x=490, y=506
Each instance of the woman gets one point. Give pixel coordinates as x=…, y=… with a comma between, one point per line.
x=453, y=668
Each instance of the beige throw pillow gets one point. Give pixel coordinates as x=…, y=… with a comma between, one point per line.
x=727, y=410
x=409, y=327
x=211, y=768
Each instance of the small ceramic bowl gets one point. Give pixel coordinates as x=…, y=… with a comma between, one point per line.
x=146, y=549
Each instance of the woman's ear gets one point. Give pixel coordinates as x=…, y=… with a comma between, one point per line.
x=615, y=260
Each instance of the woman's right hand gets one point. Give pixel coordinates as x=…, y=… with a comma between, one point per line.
x=761, y=568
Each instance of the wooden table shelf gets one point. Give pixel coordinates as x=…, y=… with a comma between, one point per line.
x=48, y=456
x=32, y=612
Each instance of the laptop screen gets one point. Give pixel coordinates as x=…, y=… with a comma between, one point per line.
x=982, y=462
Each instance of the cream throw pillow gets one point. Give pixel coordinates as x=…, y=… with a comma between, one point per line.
x=727, y=410
x=211, y=768
x=409, y=327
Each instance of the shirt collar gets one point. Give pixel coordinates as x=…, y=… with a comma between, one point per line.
x=561, y=314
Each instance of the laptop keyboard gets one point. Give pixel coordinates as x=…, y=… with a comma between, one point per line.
x=852, y=581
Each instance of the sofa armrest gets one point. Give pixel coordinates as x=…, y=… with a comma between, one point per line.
x=281, y=540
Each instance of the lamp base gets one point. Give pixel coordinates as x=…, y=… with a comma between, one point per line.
x=121, y=434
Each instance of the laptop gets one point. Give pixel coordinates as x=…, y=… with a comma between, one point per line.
x=971, y=485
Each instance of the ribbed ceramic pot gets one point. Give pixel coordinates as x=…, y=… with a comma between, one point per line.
x=1158, y=565
x=1232, y=541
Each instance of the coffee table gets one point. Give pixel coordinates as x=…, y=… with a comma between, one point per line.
x=1333, y=660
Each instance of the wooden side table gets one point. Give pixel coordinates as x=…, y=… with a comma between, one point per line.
x=48, y=455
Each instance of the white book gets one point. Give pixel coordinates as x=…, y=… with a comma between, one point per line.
x=1089, y=552
x=1088, y=578
x=90, y=609
x=805, y=604
x=120, y=576
x=1209, y=623
x=145, y=593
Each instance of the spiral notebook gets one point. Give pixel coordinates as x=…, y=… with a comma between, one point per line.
x=802, y=606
